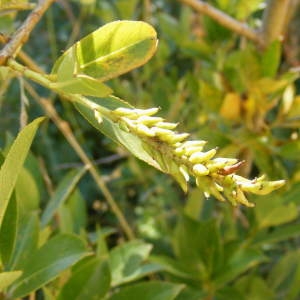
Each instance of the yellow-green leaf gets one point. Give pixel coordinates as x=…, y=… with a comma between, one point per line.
x=110, y=51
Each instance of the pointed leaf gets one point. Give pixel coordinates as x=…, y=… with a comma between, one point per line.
x=61, y=194
x=254, y=287
x=285, y=275
x=48, y=262
x=149, y=291
x=27, y=192
x=8, y=231
x=13, y=163
x=90, y=281
x=240, y=261
x=198, y=245
x=27, y=240
x=278, y=234
x=270, y=211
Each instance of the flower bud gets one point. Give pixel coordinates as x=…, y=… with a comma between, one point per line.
x=149, y=121
x=261, y=188
x=162, y=132
x=168, y=135
x=177, y=137
x=123, y=111
x=144, y=130
x=190, y=150
x=200, y=170
x=179, y=151
x=166, y=125
x=135, y=113
x=188, y=144
x=130, y=123
x=200, y=157
x=241, y=198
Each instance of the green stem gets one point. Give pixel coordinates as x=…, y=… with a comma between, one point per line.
x=46, y=82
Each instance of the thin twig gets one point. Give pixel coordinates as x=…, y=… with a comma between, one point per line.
x=65, y=129
x=22, y=34
x=274, y=20
x=101, y=161
x=224, y=19
x=12, y=7
x=45, y=176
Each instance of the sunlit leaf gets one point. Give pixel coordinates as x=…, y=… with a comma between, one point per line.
x=13, y=163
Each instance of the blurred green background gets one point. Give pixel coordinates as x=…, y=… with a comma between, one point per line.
x=220, y=88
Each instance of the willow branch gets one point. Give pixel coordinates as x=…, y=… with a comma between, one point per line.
x=224, y=19
x=66, y=130
x=275, y=20
x=22, y=34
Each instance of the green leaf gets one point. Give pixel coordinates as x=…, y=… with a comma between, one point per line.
x=270, y=212
x=290, y=150
x=27, y=192
x=149, y=291
x=13, y=163
x=175, y=267
x=110, y=51
x=27, y=240
x=279, y=215
x=278, y=234
x=239, y=262
x=192, y=293
x=7, y=278
x=63, y=191
x=228, y=293
x=198, y=245
x=48, y=262
x=89, y=281
x=84, y=86
x=285, y=276
x=194, y=204
x=254, y=287
x=78, y=211
x=73, y=215
x=8, y=231
x=65, y=219
x=127, y=262
x=271, y=59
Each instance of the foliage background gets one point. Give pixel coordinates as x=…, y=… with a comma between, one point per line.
x=222, y=89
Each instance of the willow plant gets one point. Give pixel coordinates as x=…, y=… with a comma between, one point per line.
x=79, y=76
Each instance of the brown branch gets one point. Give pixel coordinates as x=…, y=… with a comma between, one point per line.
x=275, y=20
x=22, y=34
x=224, y=19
